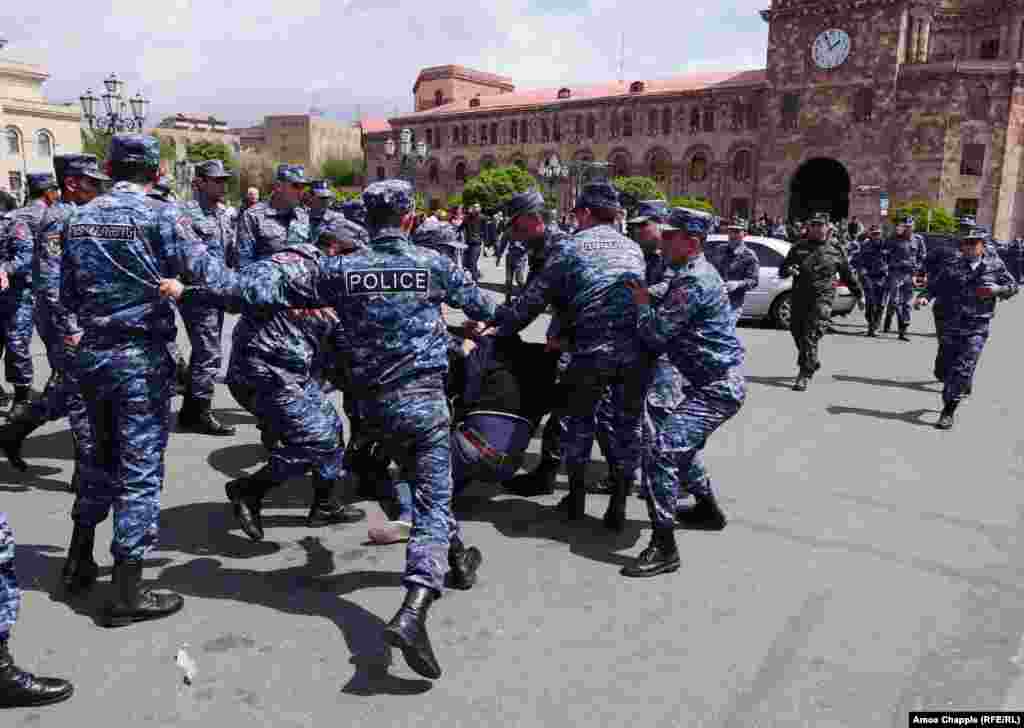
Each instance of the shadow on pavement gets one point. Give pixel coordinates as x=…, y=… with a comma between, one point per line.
x=912, y=417
x=781, y=382
x=922, y=386
x=14, y=481
x=234, y=460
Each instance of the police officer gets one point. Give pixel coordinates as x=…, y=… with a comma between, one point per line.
x=388, y=297
x=814, y=263
x=116, y=250
x=271, y=374
x=320, y=212
x=80, y=180
x=281, y=221
x=472, y=230
x=17, y=301
x=644, y=228
x=737, y=265
x=584, y=277
x=19, y=689
x=204, y=315
x=163, y=190
x=905, y=258
x=967, y=288
x=355, y=211
x=695, y=325
x=515, y=263
x=872, y=263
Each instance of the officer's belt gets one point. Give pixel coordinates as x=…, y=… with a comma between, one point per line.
x=478, y=441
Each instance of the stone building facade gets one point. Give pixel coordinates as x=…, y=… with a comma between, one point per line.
x=859, y=100
x=32, y=129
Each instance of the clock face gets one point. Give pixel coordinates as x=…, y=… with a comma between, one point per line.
x=831, y=48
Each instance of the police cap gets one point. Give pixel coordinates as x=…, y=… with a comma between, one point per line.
x=649, y=211
x=389, y=196
x=694, y=222
x=293, y=173
x=530, y=202
x=321, y=188
x=39, y=182
x=135, y=149
x=340, y=228
x=212, y=169
x=600, y=195
x=80, y=165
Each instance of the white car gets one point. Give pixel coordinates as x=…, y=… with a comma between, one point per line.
x=770, y=301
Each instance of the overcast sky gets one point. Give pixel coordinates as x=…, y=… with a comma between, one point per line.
x=242, y=59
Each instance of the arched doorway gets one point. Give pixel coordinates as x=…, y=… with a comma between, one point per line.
x=820, y=185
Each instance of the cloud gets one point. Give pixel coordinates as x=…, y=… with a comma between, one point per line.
x=242, y=59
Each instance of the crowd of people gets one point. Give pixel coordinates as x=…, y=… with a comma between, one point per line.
x=641, y=354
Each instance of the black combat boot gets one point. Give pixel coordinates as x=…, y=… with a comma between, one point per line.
x=575, y=503
x=22, y=402
x=12, y=439
x=20, y=689
x=948, y=417
x=326, y=510
x=80, y=568
x=134, y=602
x=188, y=415
x=903, y=333
x=205, y=422
x=660, y=557
x=872, y=321
x=540, y=482
x=246, y=496
x=463, y=564
x=181, y=376
x=615, y=516
x=703, y=515
x=800, y=385
x=407, y=631
x=888, y=319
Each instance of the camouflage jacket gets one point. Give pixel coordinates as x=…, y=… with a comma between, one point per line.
x=263, y=231
x=740, y=265
x=872, y=259
x=46, y=270
x=815, y=266
x=20, y=242
x=905, y=256
x=954, y=287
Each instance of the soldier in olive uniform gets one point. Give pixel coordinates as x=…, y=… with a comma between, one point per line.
x=814, y=263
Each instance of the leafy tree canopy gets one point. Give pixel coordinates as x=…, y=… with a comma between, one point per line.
x=694, y=203
x=494, y=186
x=638, y=188
x=942, y=220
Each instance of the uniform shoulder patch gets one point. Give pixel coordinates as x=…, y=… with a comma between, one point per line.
x=386, y=281
x=53, y=246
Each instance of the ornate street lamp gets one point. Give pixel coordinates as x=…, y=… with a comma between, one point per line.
x=409, y=156
x=554, y=172
x=121, y=114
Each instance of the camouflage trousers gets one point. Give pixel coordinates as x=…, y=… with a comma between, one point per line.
x=807, y=325
x=940, y=355
x=16, y=304
x=301, y=417
x=962, y=349
x=586, y=381
x=515, y=274
x=10, y=595
x=127, y=392
x=204, y=324
x=901, y=292
x=61, y=397
x=675, y=434
x=412, y=425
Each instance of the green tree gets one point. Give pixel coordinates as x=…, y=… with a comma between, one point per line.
x=341, y=172
x=93, y=143
x=942, y=220
x=493, y=187
x=638, y=188
x=346, y=195
x=454, y=201
x=694, y=203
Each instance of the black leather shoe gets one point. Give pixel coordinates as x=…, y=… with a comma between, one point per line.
x=22, y=403
x=329, y=512
x=205, y=422
x=188, y=414
x=540, y=482
x=575, y=503
x=800, y=385
x=134, y=602
x=615, y=516
x=246, y=503
x=703, y=515
x=12, y=438
x=407, y=631
x=80, y=569
x=903, y=334
x=947, y=418
x=20, y=689
x=660, y=557
x=463, y=564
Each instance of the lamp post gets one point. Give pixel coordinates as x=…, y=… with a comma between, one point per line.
x=586, y=170
x=121, y=114
x=554, y=172
x=410, y=156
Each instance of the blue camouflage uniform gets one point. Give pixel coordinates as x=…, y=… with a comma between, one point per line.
x=740, y=269
x=10, y=595
x=264, y=230
x=582, y=278
x=388, y=298
x=694, y=325
x=937, y=260
x=515, y=263
x=905, y=258
x=355, y=211
x=872, y=264
x=115, y=250
x=966, y=317
x=203, y=316
x=16, y=303
x=320, y=219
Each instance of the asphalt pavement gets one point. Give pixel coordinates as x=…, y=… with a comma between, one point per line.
x=871, y=566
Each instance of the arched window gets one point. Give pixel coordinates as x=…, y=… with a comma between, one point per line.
x=619, y=165
x=627, y=123
x=736, y=122
x=741, y=166
x=455, y=136
x=430, y=137
x=483, y=134
x=661, y=168
x=465, y=133
x=978, y=103
x=524, y=132
x=652, y=122
x=556, y=129
x=698, y=168
x=709, y=120
x=513, y=132
x=438, y=98
x=613, y=124
x=790, y=111
x=437, y=137
x=864, y=104
x=579, y=126
x=591, y=126
x=382, y=173
x=694, y=120
x=434, y=173
x=545, y=132
x=666, y=121
x=12, y=141
x=564, y=93
x=636, y=87
x=44, y=144
x=460, y=172
x=494, y=133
